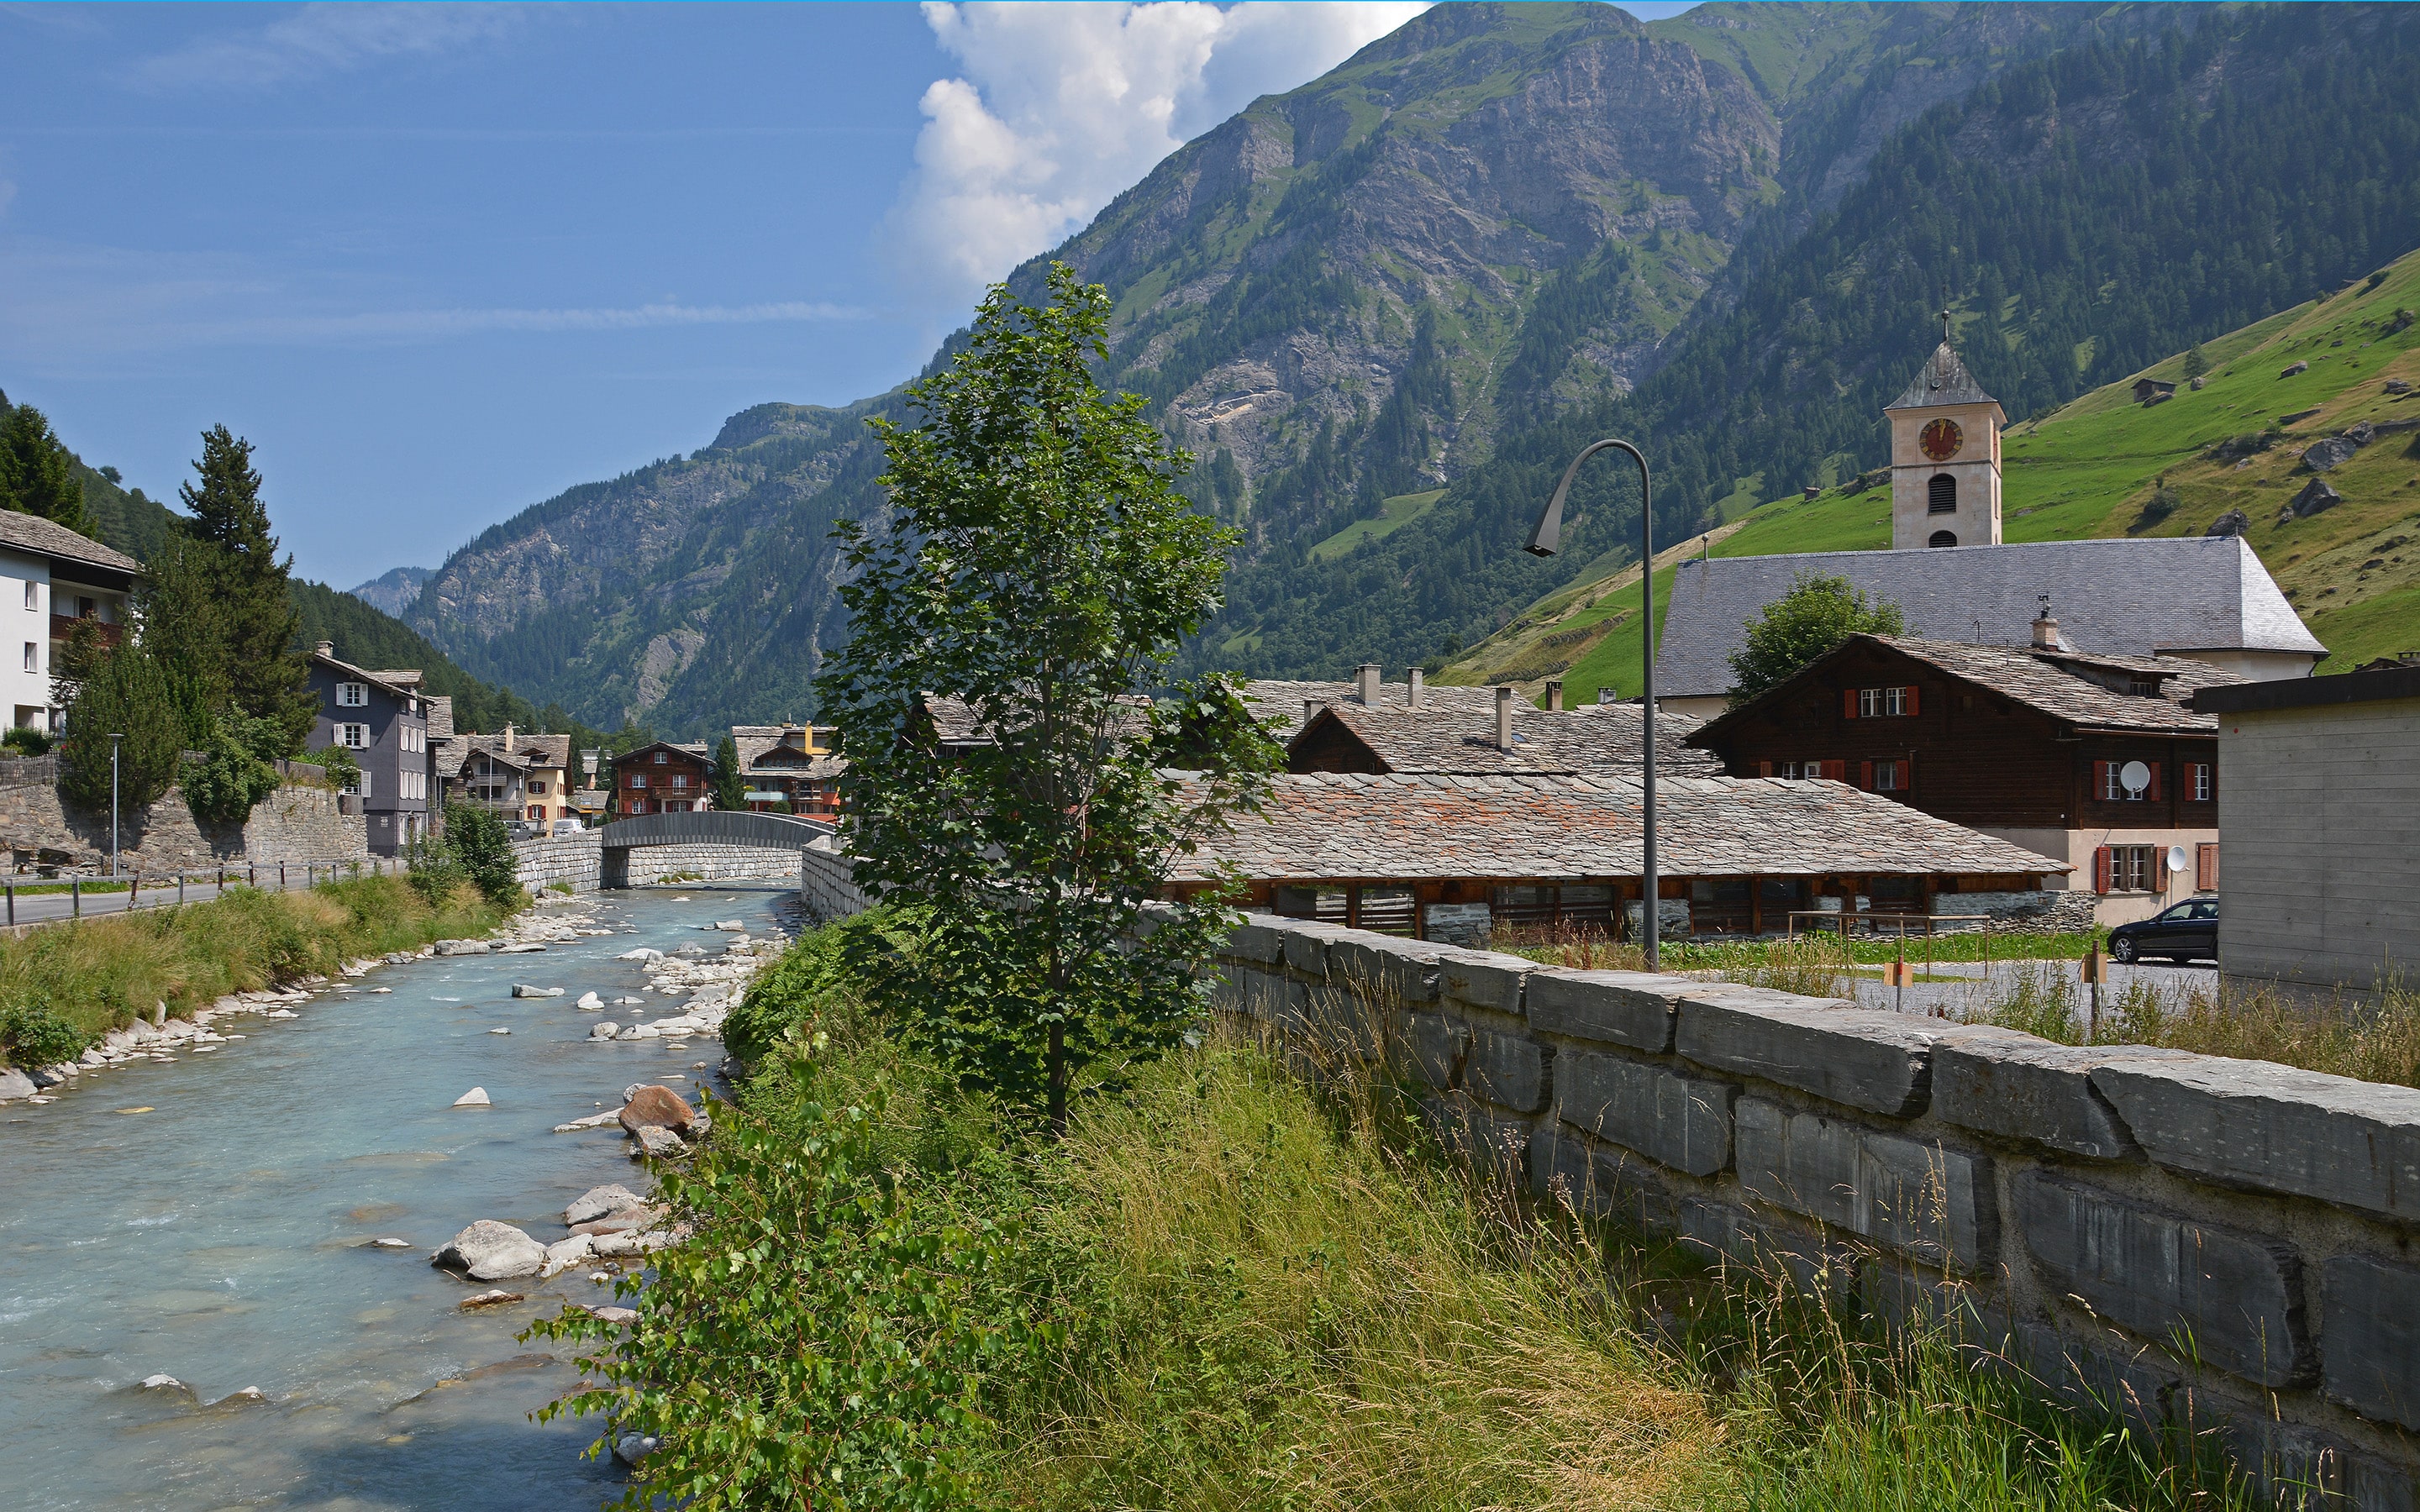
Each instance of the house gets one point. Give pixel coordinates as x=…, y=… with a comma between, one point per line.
x=525, y=777
x=1456, y=857
x=1281, y=705
x=53, y=580
x=663, y=777
x=2321, y=812
x=2150, y=390
x=2097, y=761
x=797, y=765
x=383, y=721
x=1514, y=737
x=2202, y=598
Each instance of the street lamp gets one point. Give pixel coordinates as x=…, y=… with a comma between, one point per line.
x=115, y=737
x=1543, y=538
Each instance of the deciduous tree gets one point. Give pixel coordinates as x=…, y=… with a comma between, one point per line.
x=1803, y=625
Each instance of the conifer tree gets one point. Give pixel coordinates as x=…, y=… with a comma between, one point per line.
x=267, y=676
x=37, y=472
x=730, y=794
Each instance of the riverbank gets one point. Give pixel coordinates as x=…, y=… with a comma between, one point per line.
x=86, y=980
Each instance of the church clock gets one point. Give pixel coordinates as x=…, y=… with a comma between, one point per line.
x=1940, y=439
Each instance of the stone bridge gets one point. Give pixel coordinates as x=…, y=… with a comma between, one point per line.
x=723, y=830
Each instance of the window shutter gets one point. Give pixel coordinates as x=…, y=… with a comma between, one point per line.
x=1865, y=776
x=1837, y=771
x=1764, y=768
x=1848, y=704
x=2151, y=793
x=1907, y=767
x=2100, y=865
x=2205, y=867
x=1911, y=699
x=2101, y=785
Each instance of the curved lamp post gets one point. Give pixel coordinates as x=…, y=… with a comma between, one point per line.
x=1544, y=539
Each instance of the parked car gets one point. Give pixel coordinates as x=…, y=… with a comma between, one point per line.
x=567, y=826
x=2186, y=931
x=524, y=829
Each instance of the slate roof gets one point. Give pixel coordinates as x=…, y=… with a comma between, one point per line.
x=1278, y=704
x=46, y=537
x=347, y=669
x=954, y=722
x=756, y=742
x=2055, y=684
x=528, y=750
x=1942, y=379
x=440, y=715
x=1334, y=827
x=2123, y=598
x=1601, y=738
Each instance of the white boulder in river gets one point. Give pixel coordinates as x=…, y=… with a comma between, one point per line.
x=597, y=1201
x=492, y=1251
x=523, y=989
x=589, y=1002
x=476, y=1098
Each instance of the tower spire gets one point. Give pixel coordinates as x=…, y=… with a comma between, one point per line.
x=1945, y=325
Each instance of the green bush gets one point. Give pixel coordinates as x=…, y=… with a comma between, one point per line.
x=33, y=1035
x=123, y=692
x=24, y=741
x=235, y=772
x=338, y=763
x=811, y=982
x=478, y=843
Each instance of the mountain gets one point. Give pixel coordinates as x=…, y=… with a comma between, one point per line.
x=394, y=591
x=2104, y=465
x=1384, y=309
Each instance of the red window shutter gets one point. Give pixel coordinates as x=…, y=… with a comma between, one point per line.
x=2151, y=793
x=1865, y=776
x=1911, y=699
x=1907, y=767
x=1848, y=704
x=1764, y=768
x=1837, y=771
x=2100, y=866
x=2205, y=867
x=2100, y=785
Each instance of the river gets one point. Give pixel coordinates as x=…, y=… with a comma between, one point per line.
x=220, y=1238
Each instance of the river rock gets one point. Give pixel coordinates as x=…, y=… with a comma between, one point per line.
x=15, y=1085
x=282, y=1014
x=523, y=989
x=242, y=1396
x=658, y=1144
x=564, y=1254
x=462, y=947
x=492, y=1251
x=595, y=1121
x=623, y=1317
x=165, y=1385
x=500, y=1030
x=659, y=1108
x=589, y=1002
x=730, y=926
x=642, y=954
x=519, y=947
x=603, y=1029
x=630, y=1448
x=627, y=1221
x=491, y=1299
x=600, y=1200
x=2317, y=495
x=640, y=1031
x=390, y=1242
x=476, y=1098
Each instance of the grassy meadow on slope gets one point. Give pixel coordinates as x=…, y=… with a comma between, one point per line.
x=2090, y=467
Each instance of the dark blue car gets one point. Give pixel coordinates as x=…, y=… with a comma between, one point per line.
x=2187, y=932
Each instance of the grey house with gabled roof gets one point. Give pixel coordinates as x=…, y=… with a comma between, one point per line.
x=2204, y=597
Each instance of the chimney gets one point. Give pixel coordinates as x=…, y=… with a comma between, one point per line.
x=1555, y=695
x=1310, y=712
x=1503, y=716
x=327, y=649
x=2046, y=628
x=1368, y=677
x=1607, y=695
x=1412, y=693
x=508, y=737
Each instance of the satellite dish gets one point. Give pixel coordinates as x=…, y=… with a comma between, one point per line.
x=2175, y=857
x=2134, y=777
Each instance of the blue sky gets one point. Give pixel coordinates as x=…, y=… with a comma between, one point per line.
x=439, y=262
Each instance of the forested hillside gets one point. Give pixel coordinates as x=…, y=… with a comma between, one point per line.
x=1383, y=309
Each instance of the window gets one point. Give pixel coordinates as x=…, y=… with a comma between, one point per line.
x=680, y=779
x=1886, y=777
x=355, y=735
x=2201, y=781
x=1943, y=538
x=1941, y=497
x=33, y=595
x=2127, y=869
x=1878, y=703
x=638, y=779
x=537, y=789
x=2109, y=783
x=660, y=758
x=87, y=609
x=352, y=695
x=33, y=657
x=1810, y=771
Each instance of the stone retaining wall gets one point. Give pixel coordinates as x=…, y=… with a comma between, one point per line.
x=294, y=824
x=580, y=860
x=2188, y=1239
x=826, y=882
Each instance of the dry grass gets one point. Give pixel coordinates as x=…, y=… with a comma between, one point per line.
x=99, y=973
x=1819, y=966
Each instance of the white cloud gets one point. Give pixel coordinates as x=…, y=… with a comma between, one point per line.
x=1057, y=108
x=323, y=39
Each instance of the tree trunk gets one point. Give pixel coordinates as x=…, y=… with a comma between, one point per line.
x=1057, y=1070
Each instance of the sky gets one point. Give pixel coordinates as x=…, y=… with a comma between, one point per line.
x=439, y=262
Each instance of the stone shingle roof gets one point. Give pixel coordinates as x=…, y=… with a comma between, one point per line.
x=2122, y=597
x=1278, y=704
x=1322, y=828
x=528, y=750
x=756, y=742
x=440, y=715
x=2062, y=686
x=1602, y=738
x=1942, y=379
x=45, y=537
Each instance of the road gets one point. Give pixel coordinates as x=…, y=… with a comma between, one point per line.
x=1976, y=990
x=161, y=892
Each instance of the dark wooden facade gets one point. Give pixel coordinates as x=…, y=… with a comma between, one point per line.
x=1967, y=753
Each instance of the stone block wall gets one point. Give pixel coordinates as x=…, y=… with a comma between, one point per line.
x=2182, y=1238
x=580, y=860
x=294, y=824
x=826, y=882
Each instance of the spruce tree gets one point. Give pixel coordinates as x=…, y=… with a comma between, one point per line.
x=730, y=794
x=266, y=677
x=37, y=472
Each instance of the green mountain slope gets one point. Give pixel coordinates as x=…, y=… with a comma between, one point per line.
x=2098, y=465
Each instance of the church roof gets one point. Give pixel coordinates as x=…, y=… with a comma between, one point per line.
x=2130, y=598
x=1943, y=379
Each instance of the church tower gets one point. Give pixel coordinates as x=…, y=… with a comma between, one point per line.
x=1945, y=458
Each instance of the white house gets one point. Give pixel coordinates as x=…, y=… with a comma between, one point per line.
x=49, y=578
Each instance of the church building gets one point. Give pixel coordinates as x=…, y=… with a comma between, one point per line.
x=1945, y=458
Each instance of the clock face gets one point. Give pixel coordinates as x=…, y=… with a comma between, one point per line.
x=1941, y=439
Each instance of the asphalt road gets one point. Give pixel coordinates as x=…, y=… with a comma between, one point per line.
x=1980, y=985
x=157, y=892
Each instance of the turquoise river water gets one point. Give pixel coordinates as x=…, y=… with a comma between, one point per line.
x=220, y=1239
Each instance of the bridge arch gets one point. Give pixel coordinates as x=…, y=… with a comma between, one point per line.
x=739, y=830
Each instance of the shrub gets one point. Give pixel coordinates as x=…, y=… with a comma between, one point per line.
x=24, y=741
x=2161, y=503
x=338, y=763
x=234, y=774
x=812, y=982
x=123, y=692
x=478, y=843
x=33, y=1035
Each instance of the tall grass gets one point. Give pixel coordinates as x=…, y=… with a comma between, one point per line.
x=1565, y=944
x=98, y=974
